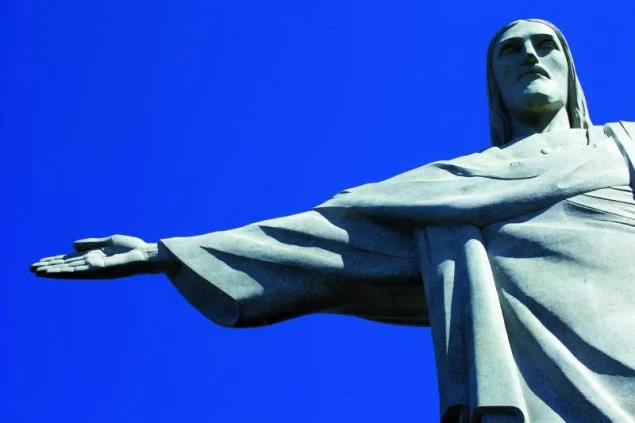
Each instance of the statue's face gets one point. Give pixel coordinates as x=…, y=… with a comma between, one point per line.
x=530, y=68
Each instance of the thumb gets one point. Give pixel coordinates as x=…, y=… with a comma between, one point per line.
x=91, y=243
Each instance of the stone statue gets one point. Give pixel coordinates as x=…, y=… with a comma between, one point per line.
x=525, y=251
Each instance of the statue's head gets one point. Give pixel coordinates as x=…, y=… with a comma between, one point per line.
x=530, y=72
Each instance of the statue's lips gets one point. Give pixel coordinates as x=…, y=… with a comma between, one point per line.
x=535, y=71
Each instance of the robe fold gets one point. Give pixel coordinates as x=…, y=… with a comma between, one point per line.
x=527, y=268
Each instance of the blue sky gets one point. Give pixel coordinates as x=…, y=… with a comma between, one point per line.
x=161, y=119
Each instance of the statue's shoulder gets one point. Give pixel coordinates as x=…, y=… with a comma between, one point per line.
x=484, y=157
x=629, y=127
x=625, y=126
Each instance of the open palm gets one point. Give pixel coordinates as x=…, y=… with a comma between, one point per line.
x=97, y=258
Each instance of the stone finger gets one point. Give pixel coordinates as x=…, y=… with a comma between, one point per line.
x=76, y=259
x=48, y=271
x=77, y=263
x=91, y=243
x=51, y=258
x=83, y=268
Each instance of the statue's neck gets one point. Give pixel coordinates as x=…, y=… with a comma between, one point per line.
x=530, y=124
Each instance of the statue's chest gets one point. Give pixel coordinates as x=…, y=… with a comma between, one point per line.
x=582, y=234
x=547, y=143
x=618, y=201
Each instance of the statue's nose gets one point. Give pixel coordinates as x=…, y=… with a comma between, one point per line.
x=530, y=58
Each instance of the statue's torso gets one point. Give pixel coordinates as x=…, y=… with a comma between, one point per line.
x=565, y=280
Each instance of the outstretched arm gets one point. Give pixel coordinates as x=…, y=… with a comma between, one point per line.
x=111, y=257
x=332, y=260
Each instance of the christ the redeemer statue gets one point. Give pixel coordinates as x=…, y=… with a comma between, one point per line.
x=520, y=258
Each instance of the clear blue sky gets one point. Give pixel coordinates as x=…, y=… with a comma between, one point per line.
x=172, y=118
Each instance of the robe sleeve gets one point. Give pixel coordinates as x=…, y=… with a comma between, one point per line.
x=356, y=254
x=333, y=260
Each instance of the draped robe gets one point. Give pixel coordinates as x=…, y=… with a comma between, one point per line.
x=527, y=268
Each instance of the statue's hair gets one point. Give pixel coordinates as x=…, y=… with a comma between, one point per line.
x=499, y=121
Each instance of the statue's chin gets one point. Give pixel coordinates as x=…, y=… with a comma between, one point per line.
x=537, y=94
x=535, y=101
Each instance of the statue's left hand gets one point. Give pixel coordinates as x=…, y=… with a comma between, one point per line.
x=100, y=258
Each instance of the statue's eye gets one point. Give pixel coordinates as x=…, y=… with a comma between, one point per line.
x=548, y=44
x=508, y=48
